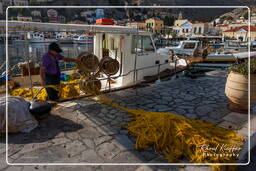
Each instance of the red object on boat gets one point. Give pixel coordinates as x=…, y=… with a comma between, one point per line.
x=105, y=21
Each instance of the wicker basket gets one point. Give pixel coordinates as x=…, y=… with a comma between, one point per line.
x=105, y=52
x=91, y=86
x=88, y=62
x=33, y=71
x=109, y=66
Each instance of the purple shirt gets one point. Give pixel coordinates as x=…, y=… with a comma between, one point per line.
x=51, y=63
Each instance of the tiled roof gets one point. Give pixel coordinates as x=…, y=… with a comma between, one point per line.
x=253, y=28
x=222, y=25
x=199, y=23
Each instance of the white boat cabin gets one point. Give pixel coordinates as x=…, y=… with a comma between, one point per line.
x=136, y=53
x=185, y=47
x=235, y=45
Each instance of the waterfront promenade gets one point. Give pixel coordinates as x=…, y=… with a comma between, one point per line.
x=84, y=132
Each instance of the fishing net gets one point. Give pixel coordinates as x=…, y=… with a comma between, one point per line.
x=26, y=93
x=66, y=91
x=175, y=137
x=178, y=138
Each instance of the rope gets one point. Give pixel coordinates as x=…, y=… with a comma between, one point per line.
x=177, y=137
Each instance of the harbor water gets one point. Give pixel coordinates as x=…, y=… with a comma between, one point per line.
x=21, y=51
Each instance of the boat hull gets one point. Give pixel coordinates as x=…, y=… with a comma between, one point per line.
x=228, y=57
x=83, y=41
x=42, y=41
x=65, y=41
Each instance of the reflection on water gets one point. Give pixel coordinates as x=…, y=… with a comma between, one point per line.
x=22, y=51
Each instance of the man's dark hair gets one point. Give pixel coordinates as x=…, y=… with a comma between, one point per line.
x=55, y=47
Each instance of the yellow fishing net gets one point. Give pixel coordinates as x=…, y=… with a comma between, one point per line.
x=173, y=136
x=65, y=91
x=177, y=137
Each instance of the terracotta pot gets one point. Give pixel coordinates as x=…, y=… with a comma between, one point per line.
x=237, y=91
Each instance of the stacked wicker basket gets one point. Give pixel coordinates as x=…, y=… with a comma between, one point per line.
x=90, y=68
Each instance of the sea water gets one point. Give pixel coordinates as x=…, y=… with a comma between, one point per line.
x=21, y=51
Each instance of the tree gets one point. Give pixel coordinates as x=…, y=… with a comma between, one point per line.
x=174, y=35
x=33, y=2
x=246, y=15
x=168, y=21
x=45, y=19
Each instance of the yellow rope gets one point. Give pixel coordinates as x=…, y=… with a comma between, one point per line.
x=176, y=136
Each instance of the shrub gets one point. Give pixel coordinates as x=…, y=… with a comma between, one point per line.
x=242, y=68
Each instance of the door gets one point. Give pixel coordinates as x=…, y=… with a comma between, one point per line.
x=146, y=60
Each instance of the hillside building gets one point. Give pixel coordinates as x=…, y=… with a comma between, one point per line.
x=155, y=25
x=241, y=33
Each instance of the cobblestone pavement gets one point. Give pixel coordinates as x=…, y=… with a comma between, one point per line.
x=89, y=132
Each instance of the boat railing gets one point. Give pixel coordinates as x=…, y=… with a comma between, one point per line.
x=115, y=77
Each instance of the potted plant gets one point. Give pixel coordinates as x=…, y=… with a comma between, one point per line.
x=237, y=86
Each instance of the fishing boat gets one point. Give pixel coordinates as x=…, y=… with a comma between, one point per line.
x=39, y=38
x=227, y=52
x=134, y=51
x=187, y=47
x=230, y=52
x=83, y=40
x=65, y=39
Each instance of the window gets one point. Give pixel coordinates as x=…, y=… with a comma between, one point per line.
x=112, y=44
x=243, y=44
x=144, y=44
x=186, y=30
x=147, y=44
x=136, y=40
x=233, y=44
x=195, y=30
x=189, y=45
x=199, y=30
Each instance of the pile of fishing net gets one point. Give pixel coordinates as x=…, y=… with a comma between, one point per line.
x=65, y=91
x=27, y=94
x=178, y=138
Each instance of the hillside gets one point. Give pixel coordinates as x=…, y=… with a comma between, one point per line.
x=237, y=13
x=193, y=14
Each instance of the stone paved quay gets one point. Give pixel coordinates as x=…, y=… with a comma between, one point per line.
x=89, y=132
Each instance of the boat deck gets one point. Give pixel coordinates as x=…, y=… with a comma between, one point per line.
x=80, y=131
